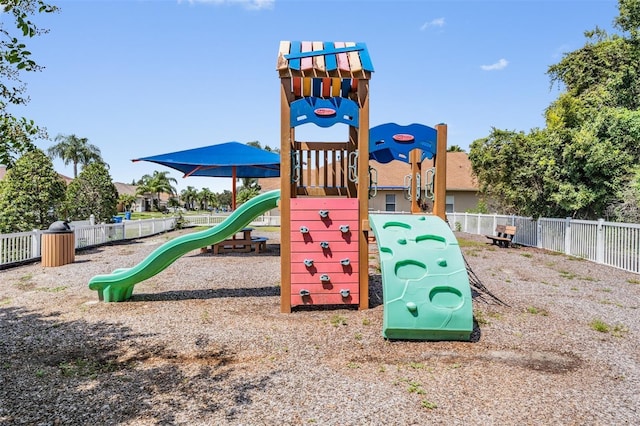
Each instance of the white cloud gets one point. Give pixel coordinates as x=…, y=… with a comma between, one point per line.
x=438, y=22
x=247, y=4
x=501, y=64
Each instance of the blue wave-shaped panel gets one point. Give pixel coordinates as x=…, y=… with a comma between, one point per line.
x=324, y=112
x=391, y=141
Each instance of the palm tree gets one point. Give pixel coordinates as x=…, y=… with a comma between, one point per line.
x=188, y=196
x=156, y=184
x=207, y=198
x=127, y=200
x=75, y=150
x=455, y=148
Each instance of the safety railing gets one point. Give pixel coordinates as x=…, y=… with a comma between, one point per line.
x=23, y=247
x=609, y=243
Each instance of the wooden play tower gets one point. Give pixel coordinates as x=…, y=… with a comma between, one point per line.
x=324, y=185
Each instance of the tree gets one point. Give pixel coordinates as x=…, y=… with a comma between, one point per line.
x=31, y=195
x=207, y=198
x=16, y=133
x=92, y=193
x=155, y=184
x=580, y=163
x=127, y=201
x=455, y=148
x=225, y=198
x=245, y=194
x=627, y=207
x=189, y=196
x=75, y=150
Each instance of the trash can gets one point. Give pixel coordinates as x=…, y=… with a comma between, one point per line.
x=117, y=219
x=58, y=245
x=127, y=215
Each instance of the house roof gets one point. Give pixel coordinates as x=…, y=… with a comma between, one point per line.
x=124, y=188
x=392, y=175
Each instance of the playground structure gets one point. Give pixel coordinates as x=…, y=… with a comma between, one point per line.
x=325, y=223
x=326, y=187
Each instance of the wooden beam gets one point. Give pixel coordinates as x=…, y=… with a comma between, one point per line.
x=414, y=159
x=286, y=142
x=363, y=191
x=440, y=178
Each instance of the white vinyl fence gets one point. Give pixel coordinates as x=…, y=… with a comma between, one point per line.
x=609, y=243
x=25, y=246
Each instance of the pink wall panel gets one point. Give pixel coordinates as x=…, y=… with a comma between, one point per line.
x=324, y=299
x=325, y=203
x=326, y=261
x=325, y=267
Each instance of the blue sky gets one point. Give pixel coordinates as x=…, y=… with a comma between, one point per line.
x=139, y=78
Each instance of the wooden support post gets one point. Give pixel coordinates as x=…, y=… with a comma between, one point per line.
x=363, y=191
x=286, y=140
x=440, y=178
x=414, y=159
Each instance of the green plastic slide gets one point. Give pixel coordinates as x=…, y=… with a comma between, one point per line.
x=425, y=284
x=118, y=286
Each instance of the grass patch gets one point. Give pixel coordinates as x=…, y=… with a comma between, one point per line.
x=536, y=311
x=85, y=368
x=52, y=290
x=480, y=318
x=366, y=321
x=470, y=243
x=495, y=315
x=599, y=326
x=527, y=255
x=567, y=274
x=5, y=301
x=24, y=282
x=337, y=320
x=428, y=405
x=617, y=330
x=415, y=387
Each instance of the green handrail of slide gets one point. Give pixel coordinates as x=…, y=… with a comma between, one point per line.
x=425, y=283
x=118, y=286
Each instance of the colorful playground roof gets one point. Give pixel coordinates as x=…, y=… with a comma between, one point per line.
x=324, y=59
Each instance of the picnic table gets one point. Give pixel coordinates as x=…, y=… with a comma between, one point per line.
x=241, y=242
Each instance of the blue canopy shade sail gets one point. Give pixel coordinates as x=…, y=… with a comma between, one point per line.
x=230, y=159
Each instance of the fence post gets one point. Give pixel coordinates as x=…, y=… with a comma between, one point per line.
x=478, y=231
x=538, y=233
x=466, y=215
x=600, y=242
x=35, y=243
x=567, y=235
x=495, y=223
